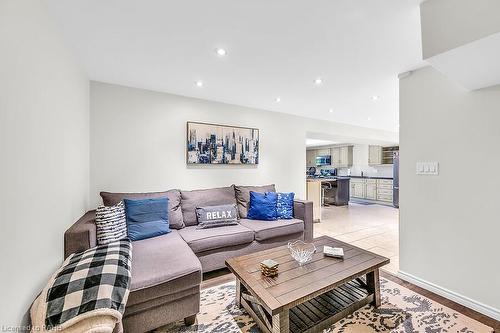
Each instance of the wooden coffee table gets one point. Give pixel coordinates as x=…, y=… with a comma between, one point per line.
x=311, y=297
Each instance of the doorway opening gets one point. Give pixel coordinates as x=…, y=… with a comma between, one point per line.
x=355, y=192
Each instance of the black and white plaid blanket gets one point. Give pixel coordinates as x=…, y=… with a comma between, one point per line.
x=96, y=280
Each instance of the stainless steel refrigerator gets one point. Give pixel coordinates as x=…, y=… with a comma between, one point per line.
x=395, y=185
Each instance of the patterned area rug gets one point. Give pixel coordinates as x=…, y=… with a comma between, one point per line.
x=402, y=311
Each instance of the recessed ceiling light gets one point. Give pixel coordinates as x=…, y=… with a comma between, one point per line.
x=221, y=52
x=318, y=81
x=375, y=97
x=331, y=110
x=198, y=83
x=368, y=118
x=278, y=99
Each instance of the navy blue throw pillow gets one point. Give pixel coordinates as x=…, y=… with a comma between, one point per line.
x=146, y=218
x=262, y=206
x=284, y=206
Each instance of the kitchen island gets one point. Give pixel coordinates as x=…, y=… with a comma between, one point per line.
x=329, y=191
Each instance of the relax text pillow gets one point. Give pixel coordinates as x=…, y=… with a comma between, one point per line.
x=216, y=216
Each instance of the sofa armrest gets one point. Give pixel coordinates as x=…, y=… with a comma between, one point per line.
x=81, y=236
x=303, y=210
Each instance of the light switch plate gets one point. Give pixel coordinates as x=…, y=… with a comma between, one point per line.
x=427, y=168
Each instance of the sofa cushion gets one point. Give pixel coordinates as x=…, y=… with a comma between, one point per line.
x=217, y=216
x=243, y=196
x=111, y=224
x=284, y=206
x=190, y=200
x=162, y=260
x=271, y=229
x=263, y=206
x=174, y=203
x=200, y=240
x=146, y=218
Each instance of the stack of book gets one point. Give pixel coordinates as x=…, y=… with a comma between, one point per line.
x=269, y=267
x=334, y=252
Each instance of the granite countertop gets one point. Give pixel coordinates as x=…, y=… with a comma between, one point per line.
x=345, y=177
x=327, y=179
x=372, y=177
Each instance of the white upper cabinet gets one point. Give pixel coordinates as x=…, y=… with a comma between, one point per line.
x=324, y=151
x=341, y=156
x=335, y=156
x=345, y=160
x=311, y=158
x=375, y=155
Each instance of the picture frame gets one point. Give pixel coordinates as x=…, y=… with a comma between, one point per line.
x=217, y=144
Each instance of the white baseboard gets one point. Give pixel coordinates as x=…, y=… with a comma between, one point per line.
x=460, y=299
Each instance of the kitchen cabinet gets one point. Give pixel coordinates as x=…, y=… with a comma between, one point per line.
x=342, y=157
x=311, y=158
x=374, y=155
x=378, y=155
x=335, y=156
x=345, y=157
x=322, y=152
x=372, y=189
x=358, y=187
x=384, y=190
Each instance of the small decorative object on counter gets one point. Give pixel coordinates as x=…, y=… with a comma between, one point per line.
x=301, y=251
x=269, y=267
x=335, y=252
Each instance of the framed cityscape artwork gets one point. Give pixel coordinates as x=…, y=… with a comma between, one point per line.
x=221, y=144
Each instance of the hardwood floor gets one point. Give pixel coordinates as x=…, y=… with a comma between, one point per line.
x=370, y=227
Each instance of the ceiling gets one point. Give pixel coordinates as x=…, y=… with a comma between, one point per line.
x=274, y=49
x=474, y=65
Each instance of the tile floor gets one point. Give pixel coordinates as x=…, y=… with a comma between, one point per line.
x=371, y=227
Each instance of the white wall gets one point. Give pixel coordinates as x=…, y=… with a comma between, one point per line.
x=44, y=124
x=449, y=224
x=138, y=142
x=447, y=24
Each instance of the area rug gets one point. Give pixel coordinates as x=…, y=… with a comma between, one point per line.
x=402, y=311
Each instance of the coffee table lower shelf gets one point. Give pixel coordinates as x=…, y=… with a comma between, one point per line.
x=318, y=313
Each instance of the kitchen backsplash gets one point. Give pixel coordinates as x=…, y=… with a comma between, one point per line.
x=380, y=171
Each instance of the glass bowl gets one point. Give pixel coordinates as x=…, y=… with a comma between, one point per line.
x=301, y=251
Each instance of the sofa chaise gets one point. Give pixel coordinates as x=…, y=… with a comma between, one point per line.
x=167, y=270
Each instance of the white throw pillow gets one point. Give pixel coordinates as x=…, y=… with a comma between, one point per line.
x=111, y=223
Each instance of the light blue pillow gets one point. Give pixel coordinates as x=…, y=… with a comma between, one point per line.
x=146, y=218
x=262, y=206
x=284, y=205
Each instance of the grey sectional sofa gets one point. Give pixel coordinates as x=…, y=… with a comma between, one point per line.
x=167, y=270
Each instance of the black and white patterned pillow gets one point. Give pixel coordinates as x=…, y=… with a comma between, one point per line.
x=111, y=223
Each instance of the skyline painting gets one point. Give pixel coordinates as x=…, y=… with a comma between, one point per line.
x=221, y=144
